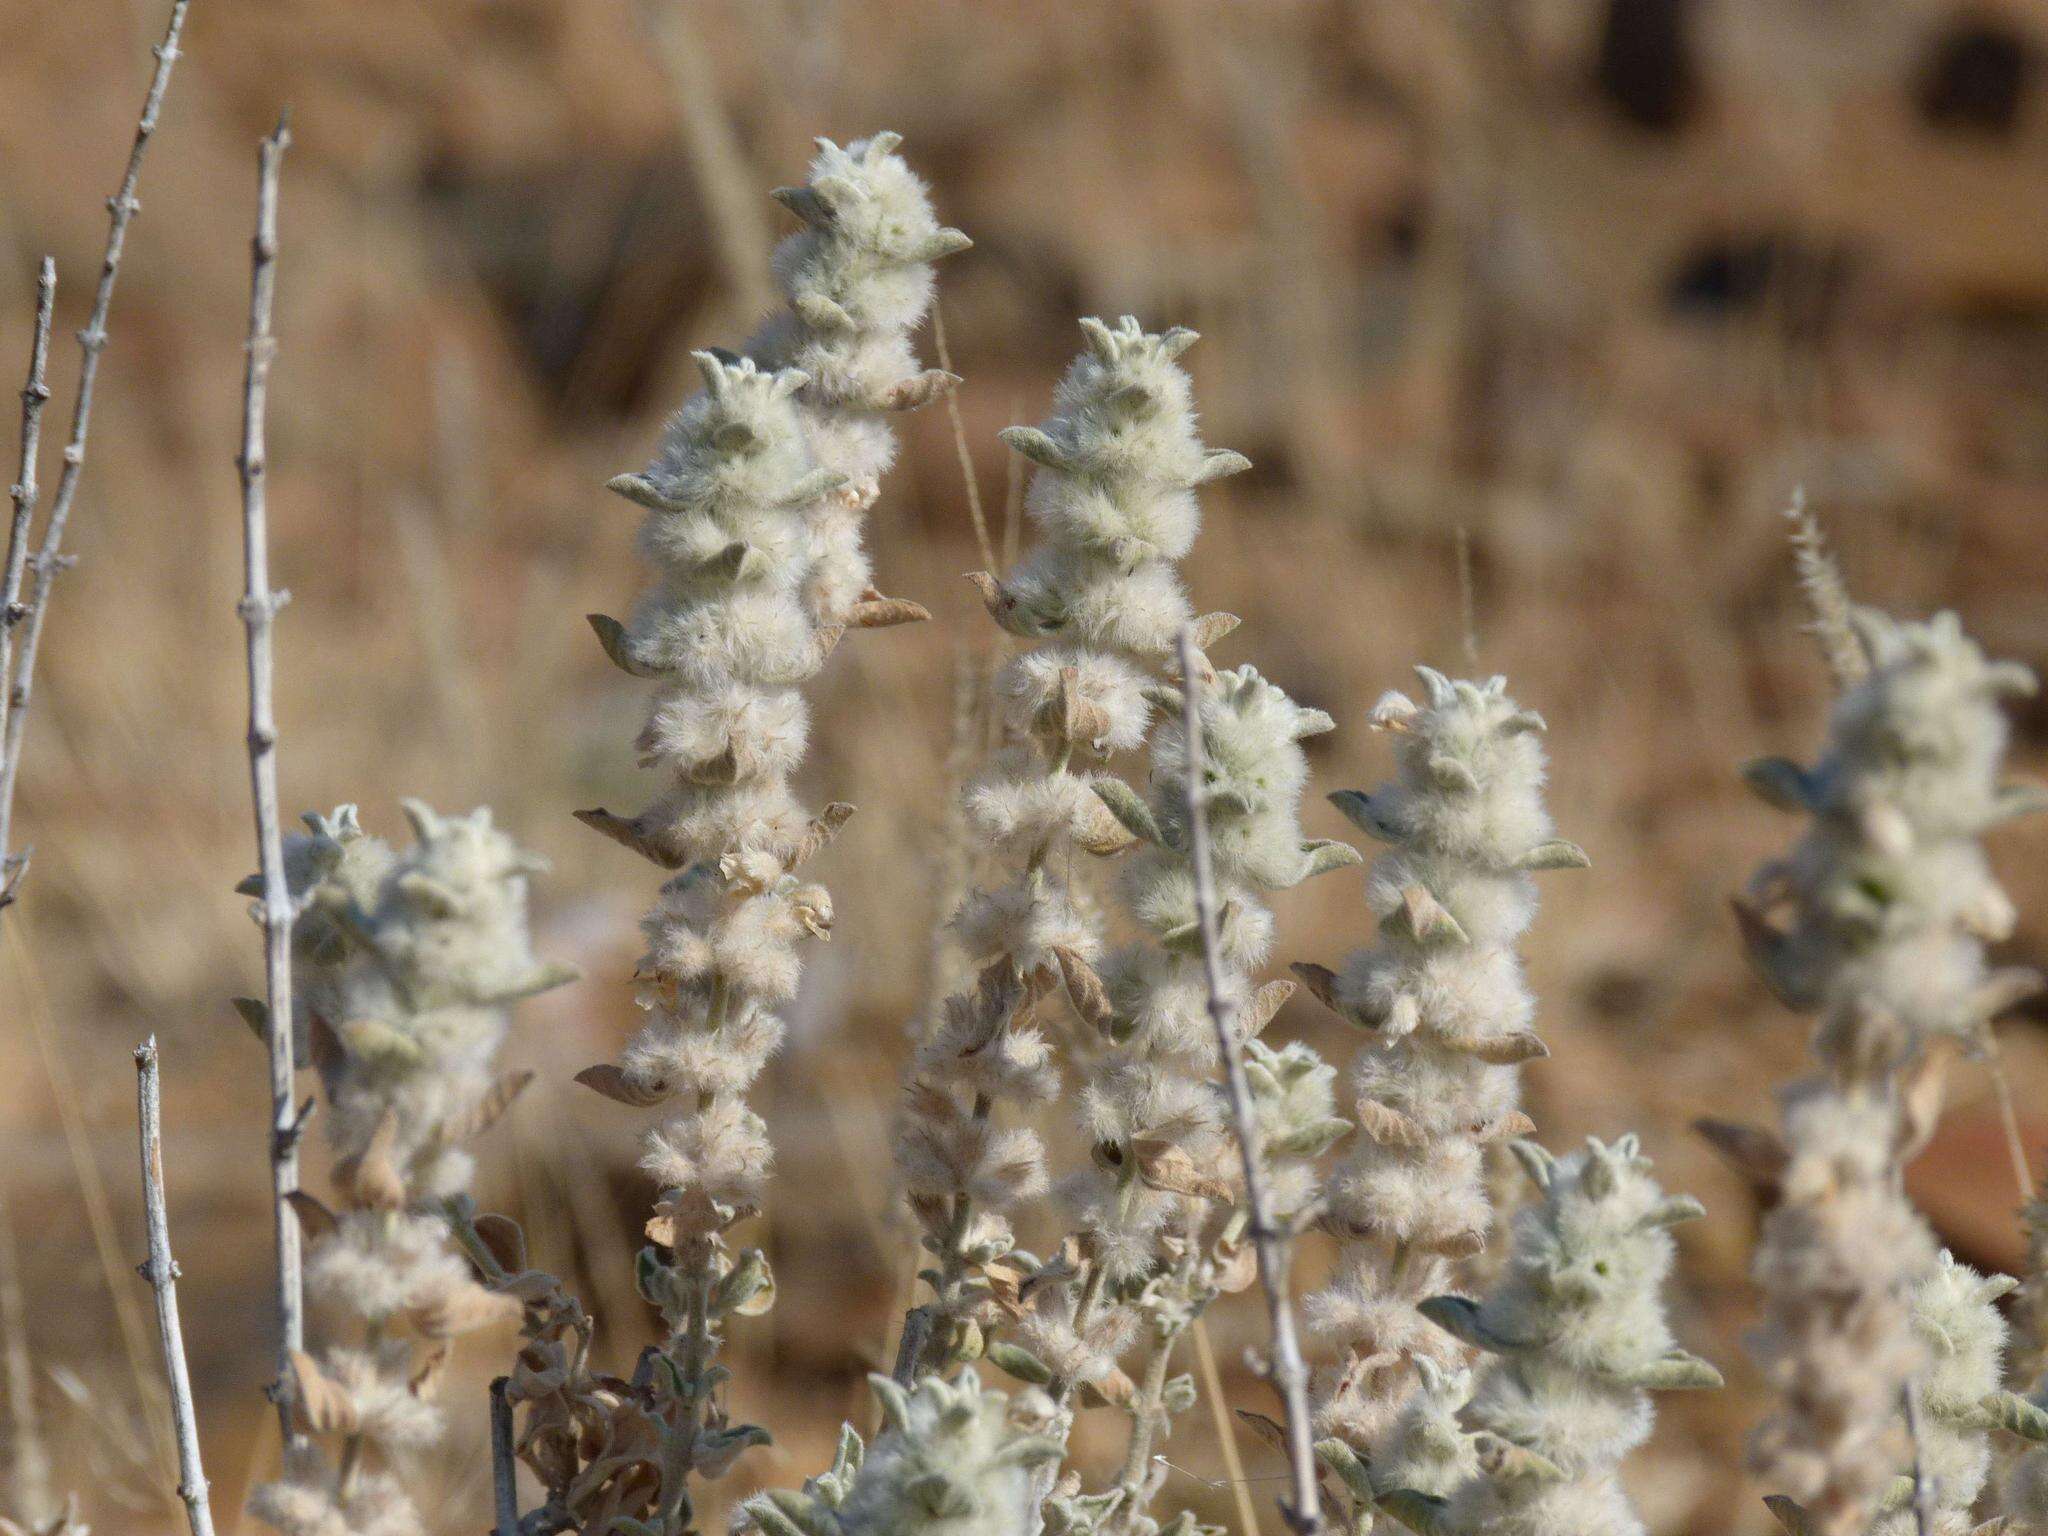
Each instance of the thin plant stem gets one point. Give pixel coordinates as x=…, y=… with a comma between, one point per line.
x=974, y=510
x=162, y=1274
x=2008, y=1117
x=504, y=1470
x=259, y=608
x=1288, y=1371
x=739, y=228
x=1923, y=1485
x=1226, y=1430
x=92, y=340
x=1148, y=1410
x=35, y=394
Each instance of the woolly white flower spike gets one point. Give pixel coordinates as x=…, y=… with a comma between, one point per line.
x=1579, y=1322
x=1253, y=774
x=406, y=963
x=1113, y=506
x=1118, y=463
x=755, y=503
x=1443, y=994
x=1889, y=900
x=952, y=1460
x=858, y=279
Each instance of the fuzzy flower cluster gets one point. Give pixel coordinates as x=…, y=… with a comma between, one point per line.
x=1577, y=1329
x=1150, y=1105
x=1448, y=1011
x=754, y=502
x=858, y=280
x=406, y=964
x=1889, y=898
x=953, y=1459
x=1160, y=1212
x=1877, y=920
x=1113, y=502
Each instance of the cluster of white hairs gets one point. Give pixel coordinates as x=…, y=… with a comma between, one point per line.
x=405, y=965
x=1577, y=1330
x=1114, y=504
x=1889, y=903
x=753, y=530
x=953, y=1459
x=1449, y=1012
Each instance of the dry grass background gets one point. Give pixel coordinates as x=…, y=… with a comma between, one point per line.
x=1582, y=288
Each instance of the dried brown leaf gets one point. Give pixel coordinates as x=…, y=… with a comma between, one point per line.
x=621, y=1088
x=1167, y=1166
x=315, y=1219
x=321, y=1404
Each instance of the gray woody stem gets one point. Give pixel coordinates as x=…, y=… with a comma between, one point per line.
x=1289, y=1373
x=259, y=608
x=162, y=1273
x=504, y=1471
x=34, y=396
x=50, y=558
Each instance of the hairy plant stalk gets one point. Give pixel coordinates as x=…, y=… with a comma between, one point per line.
x=1288, y=1371
x=1827, y=597
x=50, y=558
x=161, y=1271
x=259, y=609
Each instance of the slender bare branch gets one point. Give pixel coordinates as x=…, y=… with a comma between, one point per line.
x=35, y=394
x=258, y=608
x=162, y=1273
x=50, y=557
x=504, y=1470
x=1289, y=1372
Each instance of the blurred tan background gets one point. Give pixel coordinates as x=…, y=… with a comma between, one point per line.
x=1580, y=288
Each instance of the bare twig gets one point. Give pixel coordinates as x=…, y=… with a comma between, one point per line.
x=162, y=1273
x=1288, y=1371
x=35, y=394
x=50, y=557
x=504, y=1470
x=258, y=608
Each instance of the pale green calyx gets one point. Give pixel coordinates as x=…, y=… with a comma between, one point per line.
x=1577, y=1324
x=953, y=1459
